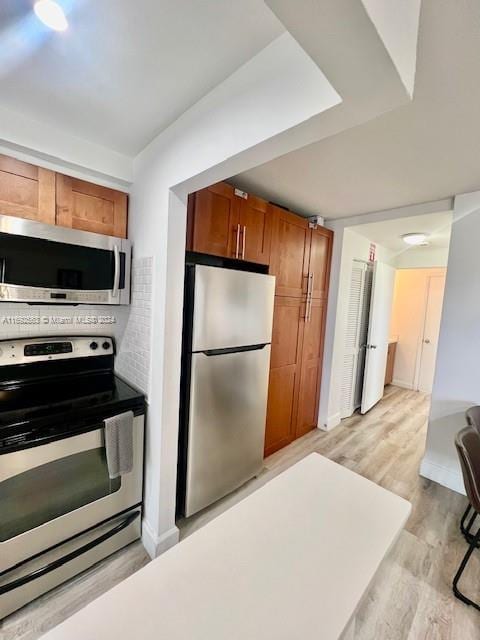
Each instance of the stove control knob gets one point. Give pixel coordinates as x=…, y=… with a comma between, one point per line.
x=106, y=345
x=94, y=345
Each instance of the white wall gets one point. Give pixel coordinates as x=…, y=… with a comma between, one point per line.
x=456, y=386
x=354, y=246
x=422, y=258
x=55, y=149
x=397, y=24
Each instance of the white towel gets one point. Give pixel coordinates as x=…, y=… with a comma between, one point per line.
x=119, y=444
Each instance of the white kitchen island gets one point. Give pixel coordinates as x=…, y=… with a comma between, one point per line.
x=291, y=561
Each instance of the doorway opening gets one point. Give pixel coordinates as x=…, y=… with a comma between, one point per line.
x=256, y=288
x=394, y=280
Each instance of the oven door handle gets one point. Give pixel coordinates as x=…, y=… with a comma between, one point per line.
x=56, y=564
x=116, y=274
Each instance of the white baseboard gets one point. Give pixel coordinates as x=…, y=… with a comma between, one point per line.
x=331, y=423
x=156, y=545
x=402, y=383
x=442, y=475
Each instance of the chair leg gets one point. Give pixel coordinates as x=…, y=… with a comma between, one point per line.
x=473, y=545
x=466, y=529
x=464, y=518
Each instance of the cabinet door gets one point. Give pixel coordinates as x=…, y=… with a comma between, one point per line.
x=289, y=253
x=256, y=230
x=312, y=355
x=90, y=207
x=319, y=263
x=392, y=347
x=216, y=226
x=284, y=372
x=26, y=191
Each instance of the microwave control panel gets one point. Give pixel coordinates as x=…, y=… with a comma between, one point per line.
x=12, y=293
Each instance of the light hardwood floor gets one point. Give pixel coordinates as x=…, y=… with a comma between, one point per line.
x=411, y=596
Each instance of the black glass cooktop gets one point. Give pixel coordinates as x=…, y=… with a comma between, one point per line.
x=39, y=410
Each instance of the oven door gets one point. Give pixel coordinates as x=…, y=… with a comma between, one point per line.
x=28, y=580
x=44, y=263
x=52, y=492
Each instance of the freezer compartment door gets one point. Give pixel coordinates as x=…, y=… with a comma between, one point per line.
x=231, y=308
x=226, y=431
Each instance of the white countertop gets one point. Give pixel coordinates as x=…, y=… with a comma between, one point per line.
x=292, y=560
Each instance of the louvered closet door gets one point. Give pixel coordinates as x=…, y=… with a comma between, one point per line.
x=355, y=337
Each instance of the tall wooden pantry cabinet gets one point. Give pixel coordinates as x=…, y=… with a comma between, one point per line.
x=228, y=223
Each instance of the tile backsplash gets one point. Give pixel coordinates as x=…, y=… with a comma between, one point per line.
x=23, y=320
x=133, y=359
x=129, y=325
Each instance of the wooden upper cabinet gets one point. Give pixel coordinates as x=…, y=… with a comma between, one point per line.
x=255, y=229
x=319, y=263
x=26, y=191
x=90, y=207
x=289, y=253
x=214, y=221
x=223, y=224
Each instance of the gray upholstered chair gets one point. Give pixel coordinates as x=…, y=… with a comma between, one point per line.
x=467, y=443
x=472, y=416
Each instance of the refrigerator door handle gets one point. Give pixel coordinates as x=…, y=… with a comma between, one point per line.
x=220, y=352
x=244, y=235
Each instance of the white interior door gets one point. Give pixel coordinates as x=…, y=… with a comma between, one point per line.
x=378, y=335
x=431, y=330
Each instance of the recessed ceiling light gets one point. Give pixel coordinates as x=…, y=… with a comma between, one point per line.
x=415, y=238
x=51, y=14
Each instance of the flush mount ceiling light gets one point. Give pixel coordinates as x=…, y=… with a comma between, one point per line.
x=51, y=14
x=415, y=239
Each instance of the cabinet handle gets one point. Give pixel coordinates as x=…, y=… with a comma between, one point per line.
x=237, y=249
x=307, y=278
x=311, y=296
x=308, y=313
x=243, y=241
x=305, y=317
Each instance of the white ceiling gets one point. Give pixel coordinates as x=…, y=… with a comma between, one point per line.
x=424, y=151
x=125, y=70
x=389, y=232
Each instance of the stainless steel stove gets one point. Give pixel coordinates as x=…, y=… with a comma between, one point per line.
x=60, y=512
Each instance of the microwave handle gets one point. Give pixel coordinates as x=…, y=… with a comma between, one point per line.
x=116, y=274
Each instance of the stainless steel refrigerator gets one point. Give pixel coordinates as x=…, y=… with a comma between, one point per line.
x=228, y=318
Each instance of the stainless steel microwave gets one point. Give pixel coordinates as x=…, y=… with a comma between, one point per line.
x=45, y=263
